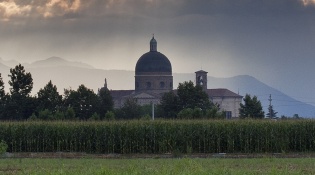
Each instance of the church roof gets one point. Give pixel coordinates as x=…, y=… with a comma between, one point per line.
x=153, y=61
x=222, y=93
x=201, y=71
x=117, y=94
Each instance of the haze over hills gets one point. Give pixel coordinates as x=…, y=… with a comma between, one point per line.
x=56, y=62
x=65, y=74
x=8, y=63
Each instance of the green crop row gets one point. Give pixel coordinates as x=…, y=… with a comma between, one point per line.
x=123, y=137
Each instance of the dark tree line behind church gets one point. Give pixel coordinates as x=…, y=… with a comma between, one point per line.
x=187, y=102
x=48, y=104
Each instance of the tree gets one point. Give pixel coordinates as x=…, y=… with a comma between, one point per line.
x=271, y=112
x=106, y=101
x=19, y=105
x=2, y=97
x=83, y=101
x=110, y=115
x=191, y=96
x=21, y=82
x=169, y=105
x=251, y=108
x=2, y=92
x=188, y=96
x=131, y=109
x=215, y=113
x=49, y=98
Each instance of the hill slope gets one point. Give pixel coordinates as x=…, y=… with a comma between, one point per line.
x=71, y=76
x=56, y=62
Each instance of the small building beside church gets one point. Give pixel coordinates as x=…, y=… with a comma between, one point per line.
x=153, y=78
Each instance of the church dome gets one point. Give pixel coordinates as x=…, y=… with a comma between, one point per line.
x=153, y=61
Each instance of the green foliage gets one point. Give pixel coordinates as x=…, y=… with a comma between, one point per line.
x=169, y=105
x=251, y=108
x=17, y=107
x=2, y=97
x=131, y=109
x=59, y=115
x=215, y=113
x=106, y=101
x=95, y=117
x=188, y=97
x=153, y=165
x=197, y=113
x=186, y=113
x=45, y=114
x=146, y=117
x=2, y=92
x=84, y=102
x=110, y=115
x=140, y=136
x=3, y=147
x=271, y=112
x=21, y=82
x=33, y=117
x=70, y=114
x=146, y=110
x=191, y=96
x=49, y=98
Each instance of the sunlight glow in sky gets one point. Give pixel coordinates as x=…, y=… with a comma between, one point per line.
x=308, y=2
x=224, y=37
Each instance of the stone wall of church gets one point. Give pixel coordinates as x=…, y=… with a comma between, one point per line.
x=154, y=83
x=231, y=104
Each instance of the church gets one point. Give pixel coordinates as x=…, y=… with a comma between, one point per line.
x=153, y=78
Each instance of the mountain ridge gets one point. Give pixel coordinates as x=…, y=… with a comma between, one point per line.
x=66, y=77
x=56, y=62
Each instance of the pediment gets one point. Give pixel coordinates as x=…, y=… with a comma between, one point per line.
x=143, y=95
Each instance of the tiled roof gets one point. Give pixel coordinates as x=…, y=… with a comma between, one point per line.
x=221, y=93
x=120, y=93
x=201, y=71
x=211, y=92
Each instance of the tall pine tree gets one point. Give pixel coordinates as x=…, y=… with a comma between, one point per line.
x=251, y=108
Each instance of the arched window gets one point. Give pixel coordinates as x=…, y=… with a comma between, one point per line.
x=162, y=84
x=148, y=85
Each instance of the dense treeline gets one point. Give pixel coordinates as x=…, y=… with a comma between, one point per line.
x=189, y=102
x=48, y=104
x=183, y=136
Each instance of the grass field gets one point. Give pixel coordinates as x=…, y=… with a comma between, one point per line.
x=158, y=166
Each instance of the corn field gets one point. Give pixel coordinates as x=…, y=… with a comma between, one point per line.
x=124, y=137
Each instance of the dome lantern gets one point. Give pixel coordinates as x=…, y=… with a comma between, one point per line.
x=153, y=45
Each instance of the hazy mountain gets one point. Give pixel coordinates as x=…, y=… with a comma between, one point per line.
x=3, y=67
x=70, y=75
x=57, y=62
x=9, y=63
x=282, y=103
x=244, y=84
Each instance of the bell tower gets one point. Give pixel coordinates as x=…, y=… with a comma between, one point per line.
x=201, y=79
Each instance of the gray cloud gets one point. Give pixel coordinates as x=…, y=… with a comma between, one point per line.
x=226, y=37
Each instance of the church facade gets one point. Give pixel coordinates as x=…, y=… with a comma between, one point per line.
x=153, y=78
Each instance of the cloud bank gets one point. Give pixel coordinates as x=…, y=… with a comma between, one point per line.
x=10, y=9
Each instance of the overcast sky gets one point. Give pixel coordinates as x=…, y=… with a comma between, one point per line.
x=272, y=40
